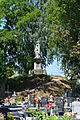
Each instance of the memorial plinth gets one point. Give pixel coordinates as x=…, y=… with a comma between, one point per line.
x=37, y=65
x=37, y=61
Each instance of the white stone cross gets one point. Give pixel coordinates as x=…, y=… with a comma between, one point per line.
x=14, y=96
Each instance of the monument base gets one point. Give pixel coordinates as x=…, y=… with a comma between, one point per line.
x=38, y=71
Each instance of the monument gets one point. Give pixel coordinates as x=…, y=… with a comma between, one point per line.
x=37, y=59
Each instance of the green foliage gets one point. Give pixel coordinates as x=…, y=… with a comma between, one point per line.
x=41, y=116
x=22, y=23
x=55, y=23
x=18, y=99
x=2, y=68
x=21, y=82
x=77, y=88
x=65, y=118
x=64, y=41
x=9, y=71
x=37, y=113
x=9, y=117
x=53, y=117
x=15, y=42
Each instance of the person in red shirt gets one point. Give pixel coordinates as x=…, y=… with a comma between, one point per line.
x=51, y=105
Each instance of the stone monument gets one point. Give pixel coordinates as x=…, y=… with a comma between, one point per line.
x=37, y=59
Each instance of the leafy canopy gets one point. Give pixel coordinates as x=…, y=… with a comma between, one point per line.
x=64, y=21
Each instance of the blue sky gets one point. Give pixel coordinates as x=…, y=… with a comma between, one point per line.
x=54, y=69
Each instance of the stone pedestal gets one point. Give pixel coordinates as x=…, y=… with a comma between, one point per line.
x=37, y=71
x=37, y=59
x=44, y=72
x=37, y=66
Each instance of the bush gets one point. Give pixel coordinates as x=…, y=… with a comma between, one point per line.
x=37, y=113
x=41, y=116
x=9, y=117
x=54, y=117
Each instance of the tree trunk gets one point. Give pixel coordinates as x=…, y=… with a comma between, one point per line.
x=2, y=91
x=74, y=88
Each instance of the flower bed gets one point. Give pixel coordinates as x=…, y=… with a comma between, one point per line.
x=41, y=116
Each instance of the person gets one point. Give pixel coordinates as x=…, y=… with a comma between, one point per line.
x=51, y=107
x=22, y=101
x=47, y=109
x=66, y=104
x=28, y=96
x=51, y=104
x=34, y=101
x=29, y=99
x=39, y=102
x=51, y=97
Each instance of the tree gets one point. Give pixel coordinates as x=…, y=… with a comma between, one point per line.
x=12, y=41
x=15, y=40
x=63, y=17
x=22, y=23
x=2, y=68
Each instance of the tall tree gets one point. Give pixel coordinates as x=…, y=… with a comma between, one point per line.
x=2, y=68
x=18, y=50
x=63, y=18
x=23, y=23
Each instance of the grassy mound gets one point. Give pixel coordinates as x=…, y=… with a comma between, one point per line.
x=38, y=85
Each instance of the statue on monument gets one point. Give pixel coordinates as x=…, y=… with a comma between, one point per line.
x=37, y=61
x=37, y=49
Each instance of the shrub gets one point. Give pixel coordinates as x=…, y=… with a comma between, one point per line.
x=54, y=117
x=37, y=113
x=9, y=117
x=41, y=116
